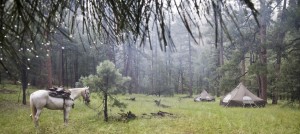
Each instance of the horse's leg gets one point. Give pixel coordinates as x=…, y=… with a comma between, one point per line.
x=66, y=114
x=36, y=117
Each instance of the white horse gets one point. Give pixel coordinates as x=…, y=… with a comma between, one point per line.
x=40, y=99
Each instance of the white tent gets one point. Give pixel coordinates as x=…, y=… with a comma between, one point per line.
x=241, y=96
x=204, y=96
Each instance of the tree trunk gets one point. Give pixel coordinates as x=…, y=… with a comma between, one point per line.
x=170, y=69
x=219, y=20
x=180, y=78
x=58, y=67
x=190, y=70
x=2, y=2
x=105, y=107
x=24, y=75
x=243, y=70
x=105, y=101
x=128, y=65
x=263, y=50
x=62, y=68
x=279, y=48
x=76, y=76
x=152, y=71
x=136, y=67
x=94, y=63
x=221, y=55
x=156, y=82
x=66, y=72
x=110, y=53
x=49, y=70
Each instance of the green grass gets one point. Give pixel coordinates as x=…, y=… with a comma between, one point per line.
x=189, y=118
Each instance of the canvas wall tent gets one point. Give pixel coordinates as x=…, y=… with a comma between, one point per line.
x=241, y=96
x=204, y=96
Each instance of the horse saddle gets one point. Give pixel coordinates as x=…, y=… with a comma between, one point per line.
x=59, y=93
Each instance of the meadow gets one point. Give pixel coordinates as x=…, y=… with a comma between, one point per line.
x=188, y=117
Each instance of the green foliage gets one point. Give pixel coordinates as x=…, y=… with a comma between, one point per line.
x=107, y=81
x=93, y=82
x=231, y=73
x=257, y=68
x=291, y=76
x=108, y=78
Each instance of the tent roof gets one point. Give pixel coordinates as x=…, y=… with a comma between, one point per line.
x=242, y=91
x=205, y=95
x=240, y=94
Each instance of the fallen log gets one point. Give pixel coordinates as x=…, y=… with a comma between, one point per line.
x=158, y=103
x=127, y=116
x=162, y=114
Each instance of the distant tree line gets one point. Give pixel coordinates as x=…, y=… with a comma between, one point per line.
x=54, y=43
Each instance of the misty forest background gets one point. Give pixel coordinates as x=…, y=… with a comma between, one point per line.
x=165, y=47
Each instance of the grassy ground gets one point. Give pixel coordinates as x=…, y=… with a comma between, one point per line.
x=189, y=117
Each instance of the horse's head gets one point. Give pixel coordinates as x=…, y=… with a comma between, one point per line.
x=86, y=95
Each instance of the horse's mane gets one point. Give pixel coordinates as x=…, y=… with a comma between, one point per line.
x=79, y=88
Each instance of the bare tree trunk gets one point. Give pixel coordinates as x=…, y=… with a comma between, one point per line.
x=59, y=68
x=105, y=107
x=137, y=72
x=190, y=70
x=243, y=70
x=133, y=70
x=180, y=82
x=76, y=76
x=105, y=101
x=94, y=69
x=128, y=66
x=2, y=2
x=24, y=75
x=110, y=53
x=66, y=76
x=62, y=68
x=49, y=65
x=49, y=70
x=156, y=73
x=263, y=50
x=113, y=56
x=243, y=60
x=152, y=71
x=221, y=55
x=180, y=77
x=255, y=59
x=279, y=48
x=170, y=70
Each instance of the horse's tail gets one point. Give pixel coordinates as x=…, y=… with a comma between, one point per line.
x=33, y=110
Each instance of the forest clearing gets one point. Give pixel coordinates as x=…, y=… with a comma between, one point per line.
x=187, y=117
x=150, y=66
